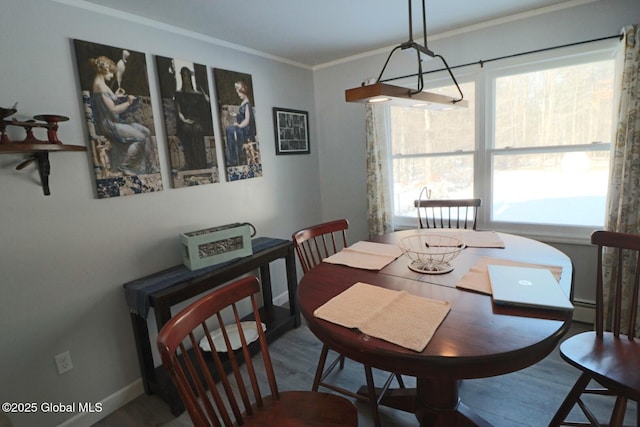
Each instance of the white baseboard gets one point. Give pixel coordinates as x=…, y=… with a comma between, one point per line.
x=110, y=404
x=281, y=299
x=584, y=312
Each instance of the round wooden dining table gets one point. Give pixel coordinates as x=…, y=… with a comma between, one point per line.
x=477, y=338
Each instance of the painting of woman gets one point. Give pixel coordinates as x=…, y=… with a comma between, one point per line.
x=133, y=139
x=237, y=113
x=119, y=119
x=244, y=128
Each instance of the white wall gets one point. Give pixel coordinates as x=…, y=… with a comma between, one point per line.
x=64, y=257
x=340, y=125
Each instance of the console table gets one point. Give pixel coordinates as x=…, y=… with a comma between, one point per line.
x=169, y=287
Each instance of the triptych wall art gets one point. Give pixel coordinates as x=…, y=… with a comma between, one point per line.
x=117, y=101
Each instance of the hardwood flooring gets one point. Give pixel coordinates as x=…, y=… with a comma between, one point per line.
x=526, y=398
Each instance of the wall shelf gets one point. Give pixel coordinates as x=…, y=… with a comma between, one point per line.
x=17, y=148
x=39, y=149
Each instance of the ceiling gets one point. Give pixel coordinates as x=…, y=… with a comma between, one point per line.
x=311, y=33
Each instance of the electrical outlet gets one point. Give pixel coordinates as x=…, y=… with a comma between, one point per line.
x=63, y=362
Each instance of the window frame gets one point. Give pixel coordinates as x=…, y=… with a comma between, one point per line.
x=484, y=78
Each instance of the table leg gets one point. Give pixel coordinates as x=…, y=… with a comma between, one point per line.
x=265, y=278
x=292, y=285
x=145, y=356
x=403, y=399
x=435, y=402
x=438, y=404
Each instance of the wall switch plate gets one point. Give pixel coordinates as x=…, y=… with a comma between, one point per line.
x=63, y=362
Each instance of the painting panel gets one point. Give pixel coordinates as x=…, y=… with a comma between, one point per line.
x=186, y=105
x=115, y=93
x=236, y=106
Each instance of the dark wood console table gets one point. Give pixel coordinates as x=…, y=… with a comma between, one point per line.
x=167, y=288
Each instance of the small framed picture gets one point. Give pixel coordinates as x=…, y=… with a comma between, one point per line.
x=291, y=131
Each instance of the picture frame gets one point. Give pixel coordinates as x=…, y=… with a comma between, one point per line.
x=291, y=128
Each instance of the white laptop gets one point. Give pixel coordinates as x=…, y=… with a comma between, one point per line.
x=527, y=287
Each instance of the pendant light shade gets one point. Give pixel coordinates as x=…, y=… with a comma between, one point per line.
x=403, y=96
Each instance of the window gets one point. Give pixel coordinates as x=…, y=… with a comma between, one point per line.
x=537, y=153
x=552, y=134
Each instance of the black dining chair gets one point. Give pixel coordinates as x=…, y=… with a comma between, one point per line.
x=608, y=357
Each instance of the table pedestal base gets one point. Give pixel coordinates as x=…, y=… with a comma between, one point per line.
x=434, y=402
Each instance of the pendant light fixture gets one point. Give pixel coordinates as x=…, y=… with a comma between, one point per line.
x=398, y=95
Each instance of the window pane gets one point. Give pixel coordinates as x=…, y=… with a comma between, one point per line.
x=446, y=177
x=561, y=106
x=419, y=134
x=551, y=188
x=418, y=131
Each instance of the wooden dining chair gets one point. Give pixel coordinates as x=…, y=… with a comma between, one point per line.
x=608, y=358
x=313, y=244
x=449, y=213
x=237, y=398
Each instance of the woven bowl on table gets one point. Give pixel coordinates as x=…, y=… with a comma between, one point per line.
x=431, y=254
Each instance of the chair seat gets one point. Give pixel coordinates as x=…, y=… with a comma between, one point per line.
x=305, y=408
x=613, y=362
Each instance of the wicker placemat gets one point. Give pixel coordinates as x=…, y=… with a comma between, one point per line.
x=394, y=316
x=470, y=238
x=366, y=255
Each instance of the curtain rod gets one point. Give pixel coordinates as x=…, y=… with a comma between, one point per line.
x=482, y=62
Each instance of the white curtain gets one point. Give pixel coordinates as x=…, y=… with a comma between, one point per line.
x=623, y=205
x=379, y=197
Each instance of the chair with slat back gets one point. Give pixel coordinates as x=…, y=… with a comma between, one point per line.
x=450, y=213
x=237, y=398
x=320, y=241
x=313, y=244
x=608, y=356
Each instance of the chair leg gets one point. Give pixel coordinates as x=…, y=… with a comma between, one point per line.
x=619, y=409
x=570, y=400
x=320, y=369
x=373, y=399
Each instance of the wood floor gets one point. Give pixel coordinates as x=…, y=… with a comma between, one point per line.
x=525, y=398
